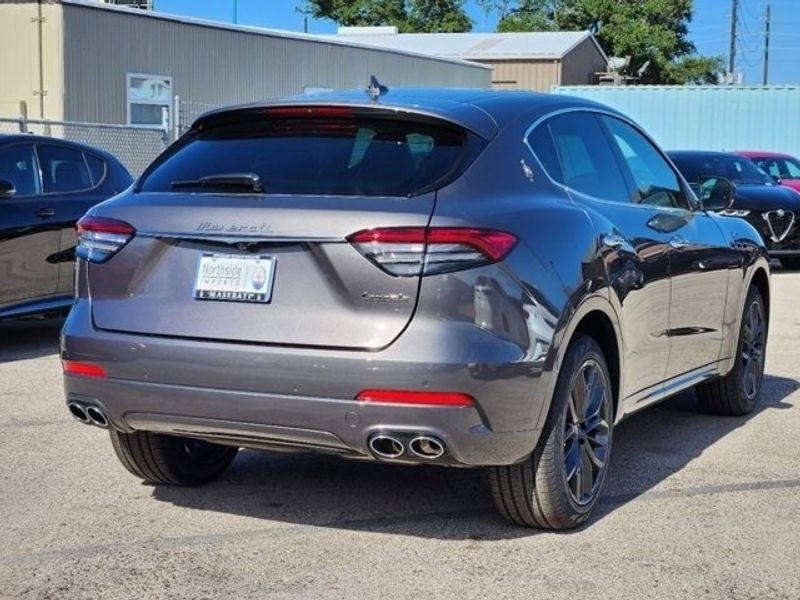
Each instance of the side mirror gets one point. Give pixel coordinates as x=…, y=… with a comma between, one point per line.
x=716, y=193
x=7, y=189
x=777, y=179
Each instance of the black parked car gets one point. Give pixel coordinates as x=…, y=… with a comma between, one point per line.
x=46, y=185
x=772, y=209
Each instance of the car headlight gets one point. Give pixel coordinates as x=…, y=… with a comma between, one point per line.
x=734, y=213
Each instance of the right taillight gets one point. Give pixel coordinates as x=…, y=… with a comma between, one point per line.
x=100, y=238
x=413, y=251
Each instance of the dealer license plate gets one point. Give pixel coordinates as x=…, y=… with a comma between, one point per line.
x=234, y=278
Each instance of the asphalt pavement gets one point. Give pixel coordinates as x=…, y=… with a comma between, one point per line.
x=696, y=507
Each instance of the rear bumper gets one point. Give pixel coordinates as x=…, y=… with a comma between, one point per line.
x=295, y=423
x=303, y=399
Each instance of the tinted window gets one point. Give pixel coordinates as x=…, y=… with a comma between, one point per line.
x=63, y=169
x=541, y=142
x=780, y=167
x=17, y=165
x=656, y=182
x=736, y=168
x=335, y=156
x=97, y=167
x=588, y=163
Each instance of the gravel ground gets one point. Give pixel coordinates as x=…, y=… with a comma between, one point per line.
x=696, y=507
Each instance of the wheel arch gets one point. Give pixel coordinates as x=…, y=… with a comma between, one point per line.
x=760, y=279
x=595, y=317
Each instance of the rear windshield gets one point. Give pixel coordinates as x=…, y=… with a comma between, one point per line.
x=347, y=156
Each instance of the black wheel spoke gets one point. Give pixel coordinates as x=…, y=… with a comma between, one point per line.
x=597, y=461
x=586, y=432
x=752, y=353
x=587, y=474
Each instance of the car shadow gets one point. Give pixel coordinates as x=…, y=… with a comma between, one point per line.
x=450, y=504
x=28, y=338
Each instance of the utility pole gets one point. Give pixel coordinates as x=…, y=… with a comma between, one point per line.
x=235, y=12
x=732, y=52
x=766, y=47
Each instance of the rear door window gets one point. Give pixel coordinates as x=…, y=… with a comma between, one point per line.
x=18, y=165
x=345, y=156
x=588, y=162
x=656, y=182
x=63, y=169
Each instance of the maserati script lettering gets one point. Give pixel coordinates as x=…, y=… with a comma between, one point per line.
x=209, y=227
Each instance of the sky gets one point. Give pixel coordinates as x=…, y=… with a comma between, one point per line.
x=709, y=30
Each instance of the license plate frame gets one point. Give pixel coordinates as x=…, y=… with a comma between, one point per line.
x=244, y=278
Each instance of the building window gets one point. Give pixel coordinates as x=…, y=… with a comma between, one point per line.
x=149, y=100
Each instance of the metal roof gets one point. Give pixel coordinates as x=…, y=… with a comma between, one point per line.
x=472, y=46
x=279, y=33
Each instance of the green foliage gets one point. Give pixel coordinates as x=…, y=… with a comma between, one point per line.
x=645, y=30
x=409, y=16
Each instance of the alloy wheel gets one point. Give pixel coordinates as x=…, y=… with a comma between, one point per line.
x=587, y=437
x=753, y=343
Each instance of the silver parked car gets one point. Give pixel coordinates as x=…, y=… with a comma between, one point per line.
x=446, y=277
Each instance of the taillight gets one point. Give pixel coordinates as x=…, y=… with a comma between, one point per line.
x=84, y=369
x=414, y=397
x=100, y=238
x=309, y=111
x=410, y=251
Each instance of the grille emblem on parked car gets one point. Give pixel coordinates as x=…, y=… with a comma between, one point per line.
x=780, y=223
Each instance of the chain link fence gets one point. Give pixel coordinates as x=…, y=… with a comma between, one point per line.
x=135, y=147
x=188, y=112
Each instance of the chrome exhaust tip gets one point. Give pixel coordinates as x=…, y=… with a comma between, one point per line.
x=426, y=447
x=79, y=413
x=386, y=446
x=96, y=416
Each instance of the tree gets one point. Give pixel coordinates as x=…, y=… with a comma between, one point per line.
x=409, y=16
x=645, y=30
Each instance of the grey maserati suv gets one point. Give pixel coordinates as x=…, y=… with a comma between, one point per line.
x=445, y=277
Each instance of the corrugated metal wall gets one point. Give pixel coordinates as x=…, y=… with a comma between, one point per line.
x=708, y=117
x=216, y=67
x=579, y=66
x=536, y=75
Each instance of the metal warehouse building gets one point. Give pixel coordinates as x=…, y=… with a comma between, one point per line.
x=519, y=61
x=73, y=60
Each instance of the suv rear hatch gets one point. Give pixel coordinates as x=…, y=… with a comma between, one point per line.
x=242, y=227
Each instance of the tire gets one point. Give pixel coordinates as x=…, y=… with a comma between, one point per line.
x=790, y=263
x=738, y=392
x=540, y=492
x=172, y=460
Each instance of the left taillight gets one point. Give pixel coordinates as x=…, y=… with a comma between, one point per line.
x=83, y=369
x=410, y=251
x=100, y=238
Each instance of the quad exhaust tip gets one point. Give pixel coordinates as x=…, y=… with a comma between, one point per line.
x=78, y=412
x=97, y=417
x=386, y=446
x=426, y=447
x=88, y=415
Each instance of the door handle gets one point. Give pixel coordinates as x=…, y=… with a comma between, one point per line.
x=46, y=213
x=678, y=242
x=612, y=240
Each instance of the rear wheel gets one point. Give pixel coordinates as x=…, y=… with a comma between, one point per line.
x=557, y=487
x=737, y=392
x=791, y=263
x=159, y=458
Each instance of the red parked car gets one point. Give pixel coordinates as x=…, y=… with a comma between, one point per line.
x=783, y=167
